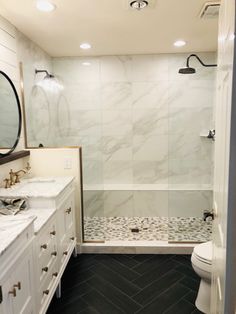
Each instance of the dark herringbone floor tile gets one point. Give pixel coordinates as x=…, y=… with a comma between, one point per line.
x=129, y=284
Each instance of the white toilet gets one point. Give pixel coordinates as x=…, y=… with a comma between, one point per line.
x=202, y=264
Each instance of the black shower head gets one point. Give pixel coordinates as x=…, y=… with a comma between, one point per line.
x=187, y=70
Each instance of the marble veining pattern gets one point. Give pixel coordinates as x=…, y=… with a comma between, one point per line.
x=11, y=228
x=173, y=229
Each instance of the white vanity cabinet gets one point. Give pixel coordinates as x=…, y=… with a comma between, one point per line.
x=53, y=246
x=39, y=256
x=17, y=283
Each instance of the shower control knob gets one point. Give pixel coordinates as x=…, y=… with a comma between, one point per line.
x=68, y=211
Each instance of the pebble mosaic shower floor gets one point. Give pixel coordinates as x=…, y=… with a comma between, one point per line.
x=174, y=229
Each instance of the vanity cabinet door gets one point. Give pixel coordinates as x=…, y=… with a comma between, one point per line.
x=17, y=291
x=66, y=222
x=22, y=281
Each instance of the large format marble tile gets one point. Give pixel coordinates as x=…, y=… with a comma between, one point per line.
x=118, y=203
x=190, y=171
x=118, y=172
x=146, y=95
x=85, y=123
x=93, y=203
x=151, y=203
x=92, y=171
x=149, y=68
x=150, y=172
x=83, y=96
x=116, y=95
x=150, y=148
x=91, y=146
x=184, y=120
x=188, y=146
x=73, y=70
x=150, y=122
x=117, y=147
x=189, y=203
x=191, y=93
x=116, y=122
x=115, y=68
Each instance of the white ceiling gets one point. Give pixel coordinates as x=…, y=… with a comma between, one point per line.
x=112, y=28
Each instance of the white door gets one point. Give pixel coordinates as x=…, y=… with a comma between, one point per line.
x=220, y=282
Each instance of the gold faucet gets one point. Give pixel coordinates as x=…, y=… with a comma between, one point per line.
x=15, y=176
x=12, y=177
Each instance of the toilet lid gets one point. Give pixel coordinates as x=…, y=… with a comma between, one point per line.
x=204, y=251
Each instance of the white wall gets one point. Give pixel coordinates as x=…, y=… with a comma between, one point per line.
x=9, y=64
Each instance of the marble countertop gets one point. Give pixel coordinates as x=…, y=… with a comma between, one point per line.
x=41, y=216
x=11, y=227
x=38, y=187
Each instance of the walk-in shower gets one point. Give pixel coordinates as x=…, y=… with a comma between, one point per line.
x=144, y=133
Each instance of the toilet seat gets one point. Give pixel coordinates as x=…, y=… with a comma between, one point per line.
x=203, y=252
x=202, y=256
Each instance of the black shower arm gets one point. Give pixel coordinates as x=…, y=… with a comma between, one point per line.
x=202, y=63
x=42, y=71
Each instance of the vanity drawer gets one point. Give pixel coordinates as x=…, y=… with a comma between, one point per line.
x=47, y=235
x=46, y=262
x=47, y=250
x=67, y=246
x=48, y=287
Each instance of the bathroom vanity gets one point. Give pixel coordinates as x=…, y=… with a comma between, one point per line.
x=36, y=244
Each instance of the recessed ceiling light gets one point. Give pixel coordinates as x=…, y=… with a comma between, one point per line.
x=85, y=46
x=45, y=6
x=179, y=43
x=85, y=63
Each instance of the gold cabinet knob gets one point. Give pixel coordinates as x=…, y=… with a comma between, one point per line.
x=46, y=292
x=45, y=269
x=55, y=274
x=13, y=292
x=18, y=285
x=44, y=246
x=54, y=253
x=68, y=210
x=53, y=232
x=72, y=238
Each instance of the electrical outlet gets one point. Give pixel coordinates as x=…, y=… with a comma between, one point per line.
x=67, y=163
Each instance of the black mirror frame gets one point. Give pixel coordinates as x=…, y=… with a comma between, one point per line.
x=19, y=113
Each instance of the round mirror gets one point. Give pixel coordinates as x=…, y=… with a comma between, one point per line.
x=10, y=115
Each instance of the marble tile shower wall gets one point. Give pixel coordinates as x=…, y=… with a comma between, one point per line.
x=139, y=122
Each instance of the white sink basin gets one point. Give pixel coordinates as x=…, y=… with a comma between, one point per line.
x=37, y=186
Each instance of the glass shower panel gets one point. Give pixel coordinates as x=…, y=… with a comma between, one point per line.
x=191, y=106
